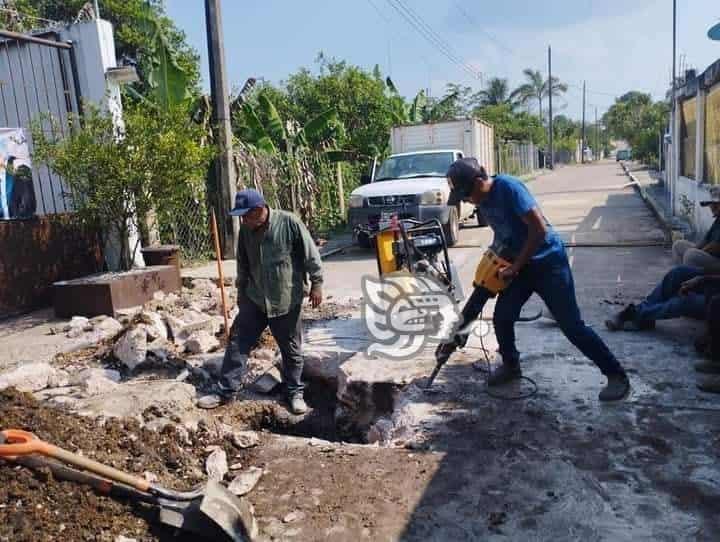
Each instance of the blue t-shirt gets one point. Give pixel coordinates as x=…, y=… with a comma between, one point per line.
x=508, y=200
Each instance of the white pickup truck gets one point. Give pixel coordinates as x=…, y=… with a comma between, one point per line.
x=411, y=182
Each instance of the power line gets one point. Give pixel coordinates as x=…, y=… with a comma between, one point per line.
x=424, y=29
x=420, y=25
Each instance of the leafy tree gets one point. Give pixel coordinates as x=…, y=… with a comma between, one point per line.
x=117, y=178
x=512, y=125
x=495, y=93
x=636, y=119
x=134, y=40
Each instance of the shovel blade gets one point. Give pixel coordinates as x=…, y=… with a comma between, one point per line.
x=232, y=514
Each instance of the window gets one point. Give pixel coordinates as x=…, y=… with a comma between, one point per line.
x=712, y=136
x=688, y=131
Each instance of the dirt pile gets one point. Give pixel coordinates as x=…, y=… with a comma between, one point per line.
x=33, y=506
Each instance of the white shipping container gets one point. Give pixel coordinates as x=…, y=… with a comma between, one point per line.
x=472, y=136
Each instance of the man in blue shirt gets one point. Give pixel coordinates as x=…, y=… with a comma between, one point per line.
x=539, y=265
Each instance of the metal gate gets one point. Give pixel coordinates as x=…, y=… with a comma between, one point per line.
x=38, y=76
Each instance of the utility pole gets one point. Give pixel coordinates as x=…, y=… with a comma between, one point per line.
x=597, y=138
x=224, y=181
x=582, y=143
x=672, y=175
x=550, y=111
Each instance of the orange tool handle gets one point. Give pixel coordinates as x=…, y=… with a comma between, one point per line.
x=25, y=443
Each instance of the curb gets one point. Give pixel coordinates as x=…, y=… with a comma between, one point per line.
x=334, y=251
x=655, y=209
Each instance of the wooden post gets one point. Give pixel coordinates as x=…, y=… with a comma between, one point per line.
x=218, y=257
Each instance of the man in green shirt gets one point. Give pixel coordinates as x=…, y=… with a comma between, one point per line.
x=275, y=256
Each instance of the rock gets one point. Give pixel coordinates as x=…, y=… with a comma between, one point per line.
x=159, y=296
x=150, y=477
x=96, y=381
x=201, y=342
x=59, y=379
x=218, y=323
x=77, y=322
x=212, y=363
x=268, y=381
x=175, y=325
x=131, y=348
x=244, y=439
x=159, y=349
x=132, y=398
x=183, y=376
x=209, y=401
x=29, y=377
x=106, y=326
x=155, y=326
x=216, y=465
x=236, y=466
x=264, y=354
x=244, y=482
x=121, y=538
x=324, y=365
x=293, y=516
x=158, y=424
x=74, y=332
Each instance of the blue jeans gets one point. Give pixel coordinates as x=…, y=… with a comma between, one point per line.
x=551, y=278
x=665, y=302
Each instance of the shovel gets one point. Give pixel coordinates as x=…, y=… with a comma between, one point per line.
x=210, y=511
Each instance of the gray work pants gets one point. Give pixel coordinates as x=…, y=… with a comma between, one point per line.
x=244, y=334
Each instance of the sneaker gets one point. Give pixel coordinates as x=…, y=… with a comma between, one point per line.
x=709, y=385
x=507, y=372
x=708, y=367
x=297, y=404
x=617, y=388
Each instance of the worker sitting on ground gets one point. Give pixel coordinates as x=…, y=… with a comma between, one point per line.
x=275, y=254
x=706, y=254
x=539, y=264
x=709, y=345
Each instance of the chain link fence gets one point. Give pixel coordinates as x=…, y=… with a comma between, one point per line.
x=517, y=158
x=189, y=228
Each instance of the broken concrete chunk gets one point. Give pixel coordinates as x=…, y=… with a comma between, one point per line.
x=76, y=322
x=201, y=342
x=29, y=377
x=160, y=349
x=293, y=516
x=155, y=325
x=244, y=482
x=159, y=296
x=175, y=325
x=106, y=326
x=236, y=466
x=96, y=381
x=121, y=538
x=59, y=379
x=264, y=353
x=216, y=465
x=131, y=348
x=209, y=401
x=244, y=439
x=268, y=381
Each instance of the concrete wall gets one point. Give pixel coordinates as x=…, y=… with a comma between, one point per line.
x=687, y=193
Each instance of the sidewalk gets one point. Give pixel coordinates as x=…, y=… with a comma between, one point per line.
x=653, y=190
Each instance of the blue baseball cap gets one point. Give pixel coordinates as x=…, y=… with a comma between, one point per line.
x=247, y=200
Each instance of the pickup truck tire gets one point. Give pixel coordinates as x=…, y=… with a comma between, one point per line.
x=452, y=228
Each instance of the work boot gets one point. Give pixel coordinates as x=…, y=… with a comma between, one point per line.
x=617, y=388
x=709, y=385
x=710, y=367
x=626, y=320
x=507, y=372
x=297, y=403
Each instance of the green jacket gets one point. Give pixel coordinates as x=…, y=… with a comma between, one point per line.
x=273, y=263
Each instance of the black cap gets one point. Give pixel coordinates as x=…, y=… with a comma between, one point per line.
x=462, y=174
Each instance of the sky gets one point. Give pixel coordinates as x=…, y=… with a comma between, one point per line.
x=614, y=45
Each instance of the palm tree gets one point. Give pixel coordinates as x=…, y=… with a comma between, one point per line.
x=495, y=93
x=533, y=89
x=537, y=88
